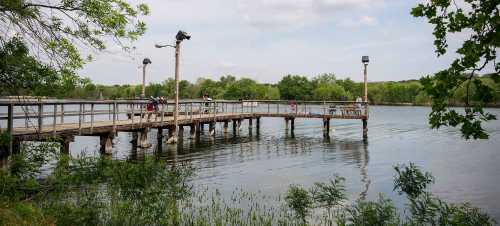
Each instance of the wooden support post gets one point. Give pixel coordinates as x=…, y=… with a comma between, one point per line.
x=140, y=116
x=258, y=124
x=159, y=134
x=65, y=142
x=286, y=124
x=62, y=113
x=235, y=125
x=142, y=142
x=80, y=120
x=16, y=146
x=170, y=132
x=181, y=131
x=365, y=128
x=91, y=118
x=197, y=128
x=202, y=127
x=135, y=137
x=211, y=129
x=10, y=128
x=54, y=120
x=292, y=124
x=192, y=130
x=326, y=127
x=226, y=125
x=250, y=123
x=40, y=117
x=107, y=143
x=114, y=117
x=132, y=114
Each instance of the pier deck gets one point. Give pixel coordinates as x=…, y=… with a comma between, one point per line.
x=27, y=121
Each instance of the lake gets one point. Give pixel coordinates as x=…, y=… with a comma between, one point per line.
x=271, y=160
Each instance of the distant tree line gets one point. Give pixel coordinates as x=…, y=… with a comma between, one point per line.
x=291, y=87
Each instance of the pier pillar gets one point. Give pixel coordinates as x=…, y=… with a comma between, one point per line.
x=326, y=127
x=202, y=127
x=170, y=135
x=226, y=125
x=181, y=131
x=250, y=123
x=292, y=125
x=286, y=124
x=107, y=143
x=365, y=128
x=192, y=130
x=159, y=135
x=211, y=128
x=64, y=142
x=197, y=128
x=235, y=125
x=258, y=123
x=142, y=140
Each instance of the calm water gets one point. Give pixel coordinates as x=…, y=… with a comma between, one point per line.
x=271, y=160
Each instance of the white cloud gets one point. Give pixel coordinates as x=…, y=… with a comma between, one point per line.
x=292, y=14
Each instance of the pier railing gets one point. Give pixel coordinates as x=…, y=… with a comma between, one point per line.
x=48, y=115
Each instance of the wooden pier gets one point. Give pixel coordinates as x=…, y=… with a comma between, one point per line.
x=60, y=121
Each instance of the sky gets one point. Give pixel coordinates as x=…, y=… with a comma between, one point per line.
x=268, y=39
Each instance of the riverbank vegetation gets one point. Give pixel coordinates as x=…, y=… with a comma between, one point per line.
x=291, y=87
x=41, y=186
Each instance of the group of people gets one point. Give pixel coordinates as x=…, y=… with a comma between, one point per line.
x=152, y=106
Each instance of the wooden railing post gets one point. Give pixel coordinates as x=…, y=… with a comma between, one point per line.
x=91, y=118
x=191, y=110
x=80, y=120
x=83, y=113
x=10, y=127
x=62, y=113
x=162, y=117
x=40, y=117
x=132, y=114
x=140, y=115
x=54, y=119
x=114, y=117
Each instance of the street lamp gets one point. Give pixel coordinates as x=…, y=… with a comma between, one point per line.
x=365, y=60
x=181, y=36
x=145, y=62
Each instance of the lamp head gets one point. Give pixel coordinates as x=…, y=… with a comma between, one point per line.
x=365, y=59
x=146, y=61
x=181, y=35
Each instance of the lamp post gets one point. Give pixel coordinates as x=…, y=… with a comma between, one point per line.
x=181, y=36
x=365, y=60
x=145, y=62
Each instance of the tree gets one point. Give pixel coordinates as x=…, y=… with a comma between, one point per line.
x=21, y=73
x=50, y=31
x=295, y=87
x=480, y=19
x=329, y=92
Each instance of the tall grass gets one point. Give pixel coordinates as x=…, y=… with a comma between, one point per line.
x=100, y=191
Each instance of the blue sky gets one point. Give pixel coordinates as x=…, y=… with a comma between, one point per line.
x=267, y=39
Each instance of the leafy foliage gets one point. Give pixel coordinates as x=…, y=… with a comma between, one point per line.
x=380, y=213
x=40, y=40
x=299, y=200
x=329, y=194
x=411, y=180
x=480, y=19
